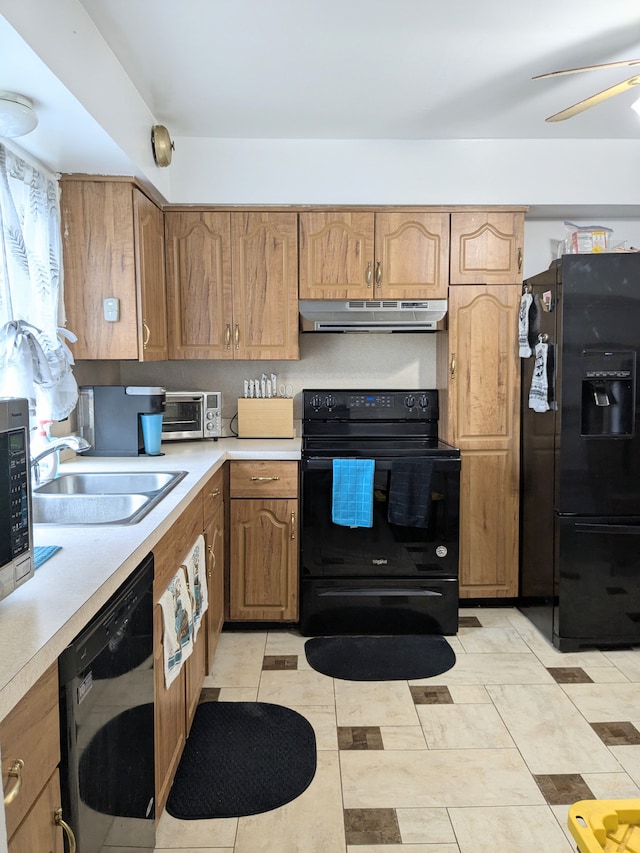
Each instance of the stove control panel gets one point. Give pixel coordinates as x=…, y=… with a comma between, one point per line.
x=352, y=405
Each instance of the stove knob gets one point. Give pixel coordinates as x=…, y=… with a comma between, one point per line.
x=316, y=402
x=423, y=401
x=410, y=401
x=330, y=401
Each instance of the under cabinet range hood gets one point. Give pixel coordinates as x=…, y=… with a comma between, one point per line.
x=372, y=315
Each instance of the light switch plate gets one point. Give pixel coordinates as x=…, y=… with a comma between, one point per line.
x=111, y=308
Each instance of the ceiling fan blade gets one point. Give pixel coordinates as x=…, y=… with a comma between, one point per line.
x=587, y=68
x=595, y=99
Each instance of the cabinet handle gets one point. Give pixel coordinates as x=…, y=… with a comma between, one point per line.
x=227, y=336
x=147, y=334
x=378, y=273
x=368, y=274
x=57, y=816
x=519, y=260
x=254, y=479
x=15, y=772
x=452, y=368
x=214, y=493
x=293, y=525
x=212, y=554
x=237, y=336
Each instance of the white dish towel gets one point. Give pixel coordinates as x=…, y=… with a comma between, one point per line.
x=539, y=392
x=177, y=636
x=523, y=324
x=195, y=564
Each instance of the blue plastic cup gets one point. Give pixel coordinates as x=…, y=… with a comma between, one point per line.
x=152, y=433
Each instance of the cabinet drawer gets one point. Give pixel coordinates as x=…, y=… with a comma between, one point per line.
x=267, y=479
x=31, y=733
x=213, y=495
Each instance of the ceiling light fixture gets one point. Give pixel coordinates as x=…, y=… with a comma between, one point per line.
x=17, y=116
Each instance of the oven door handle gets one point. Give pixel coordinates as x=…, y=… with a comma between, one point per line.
x=382, y=593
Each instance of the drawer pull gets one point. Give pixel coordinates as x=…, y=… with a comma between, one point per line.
x=214, y=493
x=267, y=479
x=15, y=772
x=57, y=816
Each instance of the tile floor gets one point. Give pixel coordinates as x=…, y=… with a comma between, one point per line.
x=484, y=758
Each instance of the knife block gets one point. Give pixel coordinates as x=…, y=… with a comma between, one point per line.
x=265, y=418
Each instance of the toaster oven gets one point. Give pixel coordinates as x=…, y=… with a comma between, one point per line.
x=192, y=415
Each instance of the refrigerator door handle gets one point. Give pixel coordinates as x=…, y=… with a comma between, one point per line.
x=629, y=529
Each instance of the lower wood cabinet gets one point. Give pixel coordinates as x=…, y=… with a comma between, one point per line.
x=174, y=705
x=263, y=559
x=30, y=743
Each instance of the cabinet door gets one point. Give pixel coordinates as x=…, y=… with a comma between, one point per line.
x=336, y=255
x=265, y=285
x=99, y=262
x=412, y=256
x=263, y=583
x=200, y=308
x=486, y=247
x=152, y=299
x=39, y=833
x=483, y=402
x=214, y=538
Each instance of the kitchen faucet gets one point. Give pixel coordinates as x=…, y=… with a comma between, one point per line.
x=70, y=442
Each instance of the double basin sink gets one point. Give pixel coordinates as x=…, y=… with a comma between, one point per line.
x=116, y=497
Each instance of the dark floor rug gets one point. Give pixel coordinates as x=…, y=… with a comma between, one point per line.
x=242, y=758
x=380, y=658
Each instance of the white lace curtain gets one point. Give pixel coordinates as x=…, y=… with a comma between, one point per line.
x=34, y=359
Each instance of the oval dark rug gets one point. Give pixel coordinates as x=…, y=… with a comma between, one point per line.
x=400, y=658
x=242, y=758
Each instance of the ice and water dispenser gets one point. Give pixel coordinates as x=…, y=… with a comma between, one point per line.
x=608, y=393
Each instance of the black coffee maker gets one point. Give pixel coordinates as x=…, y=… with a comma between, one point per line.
x=109, y=417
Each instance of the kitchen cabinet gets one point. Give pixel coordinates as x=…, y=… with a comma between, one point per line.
x=263, y=560
x=113, y=248
x=374, y=255
x=174, y=705
x=232, y=284
x=30, y=737
x=214, y=536
x=486, y=247
x=479, y=412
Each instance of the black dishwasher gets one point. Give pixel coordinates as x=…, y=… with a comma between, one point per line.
x=106, y=706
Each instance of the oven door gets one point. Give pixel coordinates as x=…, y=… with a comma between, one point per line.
x=183, y=417
x=387, y=578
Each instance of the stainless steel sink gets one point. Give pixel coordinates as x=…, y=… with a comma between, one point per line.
x=120, y=497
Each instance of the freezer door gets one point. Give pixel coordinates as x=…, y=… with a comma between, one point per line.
x=597, y=582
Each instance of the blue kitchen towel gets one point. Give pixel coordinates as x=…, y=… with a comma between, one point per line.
x=41, y=553
x=352, y=496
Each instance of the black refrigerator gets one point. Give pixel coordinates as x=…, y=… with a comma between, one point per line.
x=580, y=452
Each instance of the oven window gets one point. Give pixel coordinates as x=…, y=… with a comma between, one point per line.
x=181, y=416
x=385, y=549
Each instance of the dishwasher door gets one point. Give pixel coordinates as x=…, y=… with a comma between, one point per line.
x=106, y=705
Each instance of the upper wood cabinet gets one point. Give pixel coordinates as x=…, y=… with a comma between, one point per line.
x=366, y=255
x=113, y=247
x=232, y=285
x=486, y=247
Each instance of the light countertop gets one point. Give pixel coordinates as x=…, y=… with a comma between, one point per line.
x=42, y=617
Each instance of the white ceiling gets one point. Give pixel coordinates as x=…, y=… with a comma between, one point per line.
x=317, y=69
x=375, y=69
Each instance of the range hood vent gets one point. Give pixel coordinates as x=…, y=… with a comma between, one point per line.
x=373, y=315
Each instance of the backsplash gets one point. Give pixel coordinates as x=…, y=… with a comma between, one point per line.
x=340, y=360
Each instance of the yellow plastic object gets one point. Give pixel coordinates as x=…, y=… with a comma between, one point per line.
x=612, y=826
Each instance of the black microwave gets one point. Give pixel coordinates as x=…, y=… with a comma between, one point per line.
x=192, y=415
x=16, y=551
